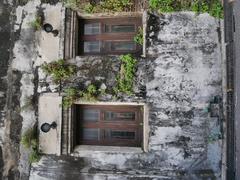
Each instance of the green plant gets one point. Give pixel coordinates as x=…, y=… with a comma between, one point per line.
x=200, y=6
x=71, y=96
x=138, y=38
x=153, y=4
x=89, y=94
x=59, y=70
x=89, y=8
x=34, y=156
x=37, y=23
x=216, y=10
x=125, y=79
x=103, y=6
x=195, y=7
x=29, y=140
x=28, y=103
x=72, y=4
x=213, y=7
x=28, y=137
x=116, y=5
x=162, y=5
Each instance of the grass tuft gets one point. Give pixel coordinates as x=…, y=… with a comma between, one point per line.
x=138, y=38
x=213, y=7
x=59, y=70
x=125, y=79
x=28, y=137
x=89, y=94
x=103, y=6
x=29, y=140
x=36, y=24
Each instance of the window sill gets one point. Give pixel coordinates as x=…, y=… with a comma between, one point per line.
x=88, y=149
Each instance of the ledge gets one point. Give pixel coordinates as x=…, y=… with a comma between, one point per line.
x=86, y=149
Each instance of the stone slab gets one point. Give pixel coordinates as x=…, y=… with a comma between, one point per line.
x=50, y=46
x=50, y=110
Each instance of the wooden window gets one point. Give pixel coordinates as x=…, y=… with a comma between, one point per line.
x=108, y=36
x=109, y=125
x=93, y=28
x=91, y=46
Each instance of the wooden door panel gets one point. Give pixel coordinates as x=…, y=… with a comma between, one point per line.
x=112, y=132
x=120, y=34
x=116, y=20
x=109, y=37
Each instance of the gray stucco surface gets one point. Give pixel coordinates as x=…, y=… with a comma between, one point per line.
x=4, y=60
x=180, y=81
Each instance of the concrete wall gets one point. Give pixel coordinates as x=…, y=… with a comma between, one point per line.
x=180, y=80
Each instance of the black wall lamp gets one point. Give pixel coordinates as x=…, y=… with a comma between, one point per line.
x=49, y=29
x=45, y=127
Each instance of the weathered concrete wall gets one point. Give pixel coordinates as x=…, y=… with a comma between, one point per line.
x=4, y=61
x=180, y=80
x=9, y=95
x=185, y=88
x=20, y=57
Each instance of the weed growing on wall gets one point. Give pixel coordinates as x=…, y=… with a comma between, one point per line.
x=216, y=9
x=162, y=5
x=36, y=24
x=213, y=7
x=73, y=4
x=34, y=156
x=28, y=137
x=115, y=5
x=29, y=140
x=104, y=6
x=125, y=79
x=89, y=8
x=90, y=94
x=71, y=95
x=138, y=38
x=28, y=103
x=59, y=70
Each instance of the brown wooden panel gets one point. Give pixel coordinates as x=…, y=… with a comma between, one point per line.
x=104, y=37
x=120, y=126
x=109, y=37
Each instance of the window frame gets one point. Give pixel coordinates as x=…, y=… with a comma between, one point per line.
x=135, y=126
x=105, y=37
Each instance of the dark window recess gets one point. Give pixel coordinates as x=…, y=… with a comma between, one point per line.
x=108, y=36
x=90, y=29
x=91, y=46
x=123, y=28
x=108, y=125
x=91, y=115
x=119, y=116
x=113, y=134
x=90, y=134
x=123, y=46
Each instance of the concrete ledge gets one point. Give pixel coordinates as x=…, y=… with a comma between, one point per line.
x=85, y=149
x=50, y=110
